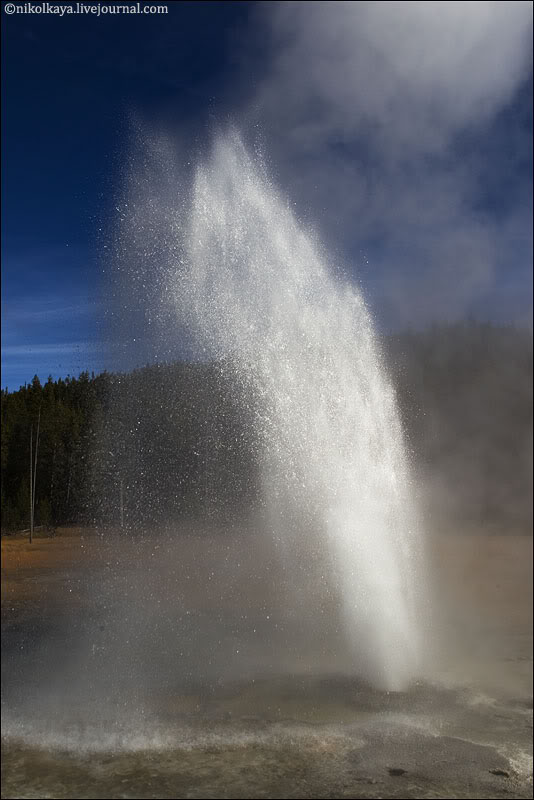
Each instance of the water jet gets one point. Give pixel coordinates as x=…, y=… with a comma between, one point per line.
x=259, y=295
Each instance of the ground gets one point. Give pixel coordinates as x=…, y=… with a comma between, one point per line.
x=88, y=618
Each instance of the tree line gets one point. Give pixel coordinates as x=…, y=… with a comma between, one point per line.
x=167, y=441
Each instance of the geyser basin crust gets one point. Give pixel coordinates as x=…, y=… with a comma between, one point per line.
x=280, y=735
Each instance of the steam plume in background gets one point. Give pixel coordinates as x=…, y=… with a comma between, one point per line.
x=382, y=119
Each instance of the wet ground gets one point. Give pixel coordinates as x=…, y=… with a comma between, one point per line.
x=96, y=702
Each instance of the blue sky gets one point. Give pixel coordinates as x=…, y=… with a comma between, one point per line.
x=69, y=86
x=406, y=140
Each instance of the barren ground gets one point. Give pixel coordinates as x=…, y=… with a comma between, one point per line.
x=207, y=724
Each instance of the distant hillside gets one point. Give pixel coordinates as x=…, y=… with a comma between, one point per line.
x=165, y=441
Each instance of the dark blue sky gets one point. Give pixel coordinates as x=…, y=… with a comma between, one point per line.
x=71, y=85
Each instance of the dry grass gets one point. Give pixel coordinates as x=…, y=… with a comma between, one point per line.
x=491, y=573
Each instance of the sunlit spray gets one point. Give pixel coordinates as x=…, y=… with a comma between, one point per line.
x=260, y=295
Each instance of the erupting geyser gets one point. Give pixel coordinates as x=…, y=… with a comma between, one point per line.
x=259, y=294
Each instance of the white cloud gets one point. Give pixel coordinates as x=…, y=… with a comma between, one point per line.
x=49, y=349
x=363, y=104
x=411, y=73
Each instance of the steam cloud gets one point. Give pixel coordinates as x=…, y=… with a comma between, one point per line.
x=382, y=118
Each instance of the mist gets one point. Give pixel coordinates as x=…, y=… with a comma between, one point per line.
x=382, y=122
